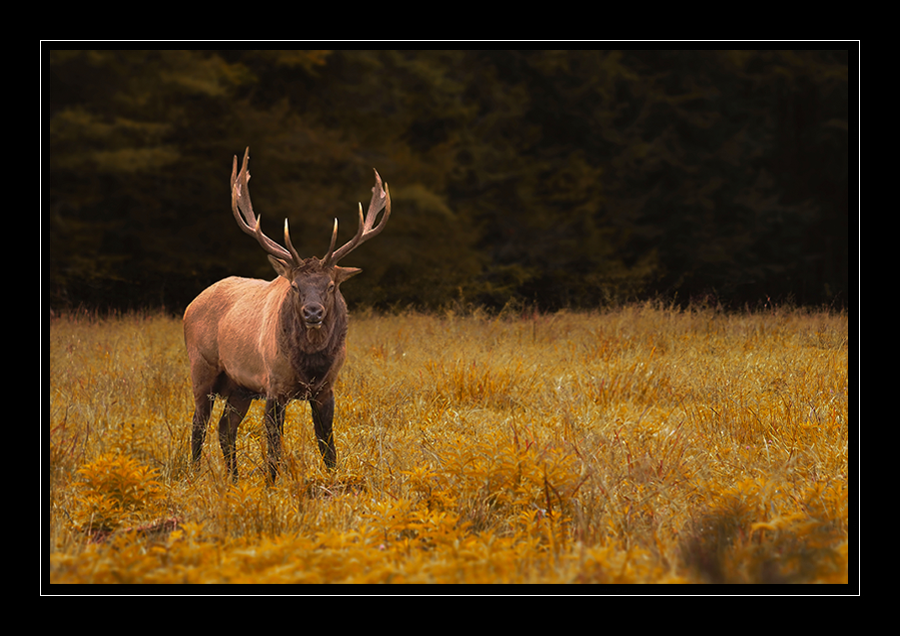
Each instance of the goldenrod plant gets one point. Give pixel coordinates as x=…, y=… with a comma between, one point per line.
x=642, y=444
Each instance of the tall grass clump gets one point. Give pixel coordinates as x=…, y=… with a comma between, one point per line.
x=637, y=444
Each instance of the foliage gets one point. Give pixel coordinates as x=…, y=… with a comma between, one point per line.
x=115, y=490
x=754, y=532
x=642, y=444
x=556, y=178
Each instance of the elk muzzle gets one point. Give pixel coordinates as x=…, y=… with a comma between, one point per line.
x=313, y=315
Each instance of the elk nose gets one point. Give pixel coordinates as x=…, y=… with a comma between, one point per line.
x=313, y=314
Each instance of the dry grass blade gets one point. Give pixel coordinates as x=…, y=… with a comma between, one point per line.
x=641, y=444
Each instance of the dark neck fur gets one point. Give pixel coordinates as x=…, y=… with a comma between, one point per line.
x=312, y=352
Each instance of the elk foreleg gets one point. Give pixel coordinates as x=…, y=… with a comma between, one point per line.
x=322, y=407
x=274, y=431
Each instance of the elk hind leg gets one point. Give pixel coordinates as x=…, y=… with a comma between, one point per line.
x=204, y=398
x=206, y=381
x=236, y=407
x=202, y=412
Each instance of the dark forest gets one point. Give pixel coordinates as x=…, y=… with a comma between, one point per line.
x=547, y=179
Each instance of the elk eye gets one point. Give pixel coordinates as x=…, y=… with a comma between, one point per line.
x=331, y=286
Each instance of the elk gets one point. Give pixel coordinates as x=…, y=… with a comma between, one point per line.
x=280, y=340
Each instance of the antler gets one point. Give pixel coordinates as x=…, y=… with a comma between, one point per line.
x=381, y=199
x=250, y=223
x=247, y=220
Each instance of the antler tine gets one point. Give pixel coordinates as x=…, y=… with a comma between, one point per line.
x=287, y=241
x=349, y=245
x=327, y=258
x=242, y=208
x=381, y=199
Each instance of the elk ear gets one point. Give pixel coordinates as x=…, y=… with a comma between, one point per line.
x=343, y=273
x=283, y=269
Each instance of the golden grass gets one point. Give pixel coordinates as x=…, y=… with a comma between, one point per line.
x=641, y=444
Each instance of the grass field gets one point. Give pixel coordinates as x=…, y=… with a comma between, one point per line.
x=641, y=444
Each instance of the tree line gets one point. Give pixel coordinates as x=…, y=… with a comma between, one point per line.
x=547, y=178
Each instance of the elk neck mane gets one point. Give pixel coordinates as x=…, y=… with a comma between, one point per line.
x=312, y=352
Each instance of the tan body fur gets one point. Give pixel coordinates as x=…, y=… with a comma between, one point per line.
x=279, y=340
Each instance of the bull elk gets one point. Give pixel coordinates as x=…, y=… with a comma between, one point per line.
x=280, y=340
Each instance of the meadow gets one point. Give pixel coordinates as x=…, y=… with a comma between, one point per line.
x=642, y=444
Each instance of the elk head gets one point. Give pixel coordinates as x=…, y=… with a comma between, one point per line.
x=314, y=282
